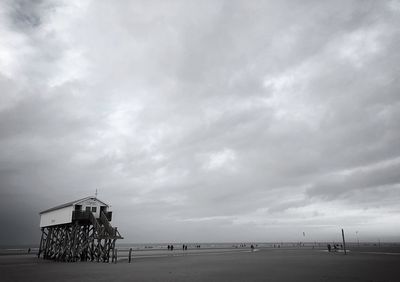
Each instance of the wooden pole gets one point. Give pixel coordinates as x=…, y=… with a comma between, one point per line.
x=41, y=243
x=130, y=254
x=344, y=242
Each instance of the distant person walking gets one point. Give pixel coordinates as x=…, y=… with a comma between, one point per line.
x=172, y=247
x=329, y=247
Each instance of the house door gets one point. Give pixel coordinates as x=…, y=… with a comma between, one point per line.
x=103, y=209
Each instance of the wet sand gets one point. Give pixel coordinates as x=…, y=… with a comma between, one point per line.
x=216, y=265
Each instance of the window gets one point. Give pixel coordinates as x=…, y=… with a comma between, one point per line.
x=88, y=209
x=94, y=209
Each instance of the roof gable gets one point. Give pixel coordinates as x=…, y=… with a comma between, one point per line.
x=89, y=198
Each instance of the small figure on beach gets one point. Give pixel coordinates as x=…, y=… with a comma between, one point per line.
x=252, y=247
x=185, y=247
x=329, y=247
x=29, y=250
x=172, y=247
x=169, y=247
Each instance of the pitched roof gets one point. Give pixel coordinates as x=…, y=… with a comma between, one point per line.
x=73, y=203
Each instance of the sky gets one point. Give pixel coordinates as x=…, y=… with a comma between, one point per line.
x=203, y=121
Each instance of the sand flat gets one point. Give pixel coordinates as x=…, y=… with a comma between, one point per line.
x=264, y=265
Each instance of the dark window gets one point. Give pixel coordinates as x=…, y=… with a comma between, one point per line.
x=88, y=209
x=78, y=207
x=94, y=209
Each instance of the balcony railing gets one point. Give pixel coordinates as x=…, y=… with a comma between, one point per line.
x=85, y=215
x=81, y=215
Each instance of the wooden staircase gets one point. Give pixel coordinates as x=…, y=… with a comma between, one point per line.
x=104, y=228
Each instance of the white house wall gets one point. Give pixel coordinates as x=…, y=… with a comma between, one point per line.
x=91, y=203
x=60, y=216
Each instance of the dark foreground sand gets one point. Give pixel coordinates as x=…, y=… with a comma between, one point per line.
x=263, y=265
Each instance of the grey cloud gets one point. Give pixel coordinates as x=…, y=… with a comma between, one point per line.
x=26, y=14
x=362, y=179
x=212, y=115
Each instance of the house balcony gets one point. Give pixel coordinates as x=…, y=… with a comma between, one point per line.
x=85, y=215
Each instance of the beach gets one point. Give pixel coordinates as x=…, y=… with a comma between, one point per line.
x=264, y=264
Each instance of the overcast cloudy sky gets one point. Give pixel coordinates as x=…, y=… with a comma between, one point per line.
x=203, y=120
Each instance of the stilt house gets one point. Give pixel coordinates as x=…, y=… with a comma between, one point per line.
x=78, y=230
